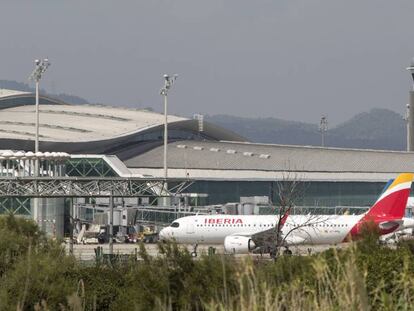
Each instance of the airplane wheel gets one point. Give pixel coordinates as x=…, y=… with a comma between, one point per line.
x=287, y=252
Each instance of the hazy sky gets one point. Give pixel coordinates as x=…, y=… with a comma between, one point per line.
x=292, y=59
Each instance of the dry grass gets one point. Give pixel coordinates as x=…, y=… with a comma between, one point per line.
x=338, y=286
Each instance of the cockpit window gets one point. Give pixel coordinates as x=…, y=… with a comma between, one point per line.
x=175, y=224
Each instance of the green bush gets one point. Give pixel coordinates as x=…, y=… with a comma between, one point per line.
x=16, y=236
x=102, y=285
x=175, y=279
x=36, y=276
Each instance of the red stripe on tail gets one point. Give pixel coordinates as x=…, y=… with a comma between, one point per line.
x=392, y=207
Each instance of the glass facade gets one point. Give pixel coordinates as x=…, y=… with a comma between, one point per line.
x=88, y=167
x=324, y=194
x=152, y=216
x=16, y=206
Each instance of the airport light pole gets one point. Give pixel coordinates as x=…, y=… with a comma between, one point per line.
x=40, y=68
x=168, y=83
x=323, y=128
x=407, y=121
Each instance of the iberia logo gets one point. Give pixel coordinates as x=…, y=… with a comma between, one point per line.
x=223, y=221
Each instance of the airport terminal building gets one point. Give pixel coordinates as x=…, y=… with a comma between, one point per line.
x=105, y=141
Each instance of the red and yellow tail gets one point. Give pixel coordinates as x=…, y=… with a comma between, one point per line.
x=393, y=201
x=387, y=213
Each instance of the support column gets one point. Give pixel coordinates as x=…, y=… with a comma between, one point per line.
x=111, y=224
x=71, y=217
x=410, y=124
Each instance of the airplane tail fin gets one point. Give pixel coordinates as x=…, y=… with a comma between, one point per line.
x=393, y=200
x=387, y=185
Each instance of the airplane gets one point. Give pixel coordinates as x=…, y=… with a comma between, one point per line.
x=242, y=234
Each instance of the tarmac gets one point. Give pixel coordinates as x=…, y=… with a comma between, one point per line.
x=87, y=252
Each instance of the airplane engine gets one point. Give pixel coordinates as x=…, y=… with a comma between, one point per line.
x=237, y=244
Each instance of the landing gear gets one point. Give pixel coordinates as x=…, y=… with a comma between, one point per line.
x=287, y=252
x=194, y=252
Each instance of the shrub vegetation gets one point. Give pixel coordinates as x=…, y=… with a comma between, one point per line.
x=36, y=274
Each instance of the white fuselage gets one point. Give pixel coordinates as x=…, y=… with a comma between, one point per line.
x=298, y=229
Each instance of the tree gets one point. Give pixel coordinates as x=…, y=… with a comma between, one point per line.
x=290, y=189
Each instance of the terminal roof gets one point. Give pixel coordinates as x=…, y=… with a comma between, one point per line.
x=60, y=122
x=239, y=156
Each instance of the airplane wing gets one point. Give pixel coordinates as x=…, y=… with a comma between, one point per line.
x=269, y=236
x=266, y=237
x=295, y=240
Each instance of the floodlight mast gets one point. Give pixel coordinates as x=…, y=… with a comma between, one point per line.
x=40, y=69
x=168, y=83
x=323, y=128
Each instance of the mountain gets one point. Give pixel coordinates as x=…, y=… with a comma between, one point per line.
x=269, y=130
x=14, y=85
x=376, y=129
x=19, y=86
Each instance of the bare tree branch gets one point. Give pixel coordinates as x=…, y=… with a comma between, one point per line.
x=290, y=190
